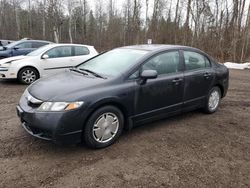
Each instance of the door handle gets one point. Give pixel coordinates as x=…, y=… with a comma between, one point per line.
x=177, y=81
x=207, y=75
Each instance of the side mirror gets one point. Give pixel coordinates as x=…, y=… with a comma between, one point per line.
x=45, y=56
x=148, y=74
x=16, y=47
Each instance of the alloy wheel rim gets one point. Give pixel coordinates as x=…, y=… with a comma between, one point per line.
x=214, y=100
x=105, y=127
x=28, y=76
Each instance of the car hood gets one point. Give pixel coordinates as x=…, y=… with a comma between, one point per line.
x=11, y=59
x=4, y=50
x=68, y=86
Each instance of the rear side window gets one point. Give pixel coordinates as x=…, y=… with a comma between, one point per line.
x=80, y=50
x=165, y=63
x=38, y=44
x=208, y=64
x=195, y=60
x=58, y=52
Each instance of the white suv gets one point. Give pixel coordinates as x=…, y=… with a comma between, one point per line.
x=45, y=61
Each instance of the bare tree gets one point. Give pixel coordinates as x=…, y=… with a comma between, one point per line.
x=220, y=27
x=16, y=9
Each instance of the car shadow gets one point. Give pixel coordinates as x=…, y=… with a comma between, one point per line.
x=9, y=82
x=140, y=129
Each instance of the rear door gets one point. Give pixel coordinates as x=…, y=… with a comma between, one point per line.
x=198, y=78
x=59, y=59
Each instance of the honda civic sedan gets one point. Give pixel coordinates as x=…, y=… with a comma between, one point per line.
x=117, y=90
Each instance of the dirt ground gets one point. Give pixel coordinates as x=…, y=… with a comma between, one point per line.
x=189, y=150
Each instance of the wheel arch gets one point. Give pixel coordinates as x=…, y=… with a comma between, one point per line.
x=220, y=86
x=29, y=66
x=115, y=103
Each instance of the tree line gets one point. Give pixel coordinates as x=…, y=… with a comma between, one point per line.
x=219, y=27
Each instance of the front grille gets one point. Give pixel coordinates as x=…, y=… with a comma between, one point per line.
x=37, y=132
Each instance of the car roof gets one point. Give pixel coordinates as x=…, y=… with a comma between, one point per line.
x=156, y=47
x=67, y=44
x=28, y=40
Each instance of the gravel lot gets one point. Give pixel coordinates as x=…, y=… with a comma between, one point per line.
x=190, y=150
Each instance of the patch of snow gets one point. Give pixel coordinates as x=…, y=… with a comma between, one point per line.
x=241, y=66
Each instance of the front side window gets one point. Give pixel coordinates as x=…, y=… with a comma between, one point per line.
x=165, y=63
x=195, y=60
x=25, y=45
x=58, y=52
x=80, y=50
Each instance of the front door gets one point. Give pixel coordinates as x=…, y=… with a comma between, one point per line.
x=22, y=49
x=58, y=59
x=164, y=94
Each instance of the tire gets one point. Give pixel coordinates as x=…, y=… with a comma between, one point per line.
x=27, y=75
x=99, y=132
x=213, y=100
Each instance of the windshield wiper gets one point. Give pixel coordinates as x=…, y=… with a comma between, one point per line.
x=77, y=70
x=94, y=73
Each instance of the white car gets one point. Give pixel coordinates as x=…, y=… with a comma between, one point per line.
x=45, y=61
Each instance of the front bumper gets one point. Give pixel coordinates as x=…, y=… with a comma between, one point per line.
x=7, y=73
x=59, y=127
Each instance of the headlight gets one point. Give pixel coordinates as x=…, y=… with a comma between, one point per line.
x=59, y=106
x=6, y=65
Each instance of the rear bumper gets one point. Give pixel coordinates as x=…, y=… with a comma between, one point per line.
x=57, y=127
x=225, y=84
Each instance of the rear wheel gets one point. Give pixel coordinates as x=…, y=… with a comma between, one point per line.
x=104, y=127
x=213, y=100
x=27, y=75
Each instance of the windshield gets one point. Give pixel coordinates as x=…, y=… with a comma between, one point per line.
x=114, y=62
x=38, y=51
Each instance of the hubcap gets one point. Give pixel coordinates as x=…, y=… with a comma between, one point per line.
x=214, y=100
x=28, y=76
x=105, y=127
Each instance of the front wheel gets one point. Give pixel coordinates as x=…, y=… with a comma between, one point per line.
x=213, y=100
x=104, y=127
x=27, y=75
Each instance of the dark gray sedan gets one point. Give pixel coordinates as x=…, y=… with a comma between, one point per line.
x=95, y=101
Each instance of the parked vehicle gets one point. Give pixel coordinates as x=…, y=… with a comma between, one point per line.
x=95, y=101
x=5, y=42
x=21, y=47
x=45, y=61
